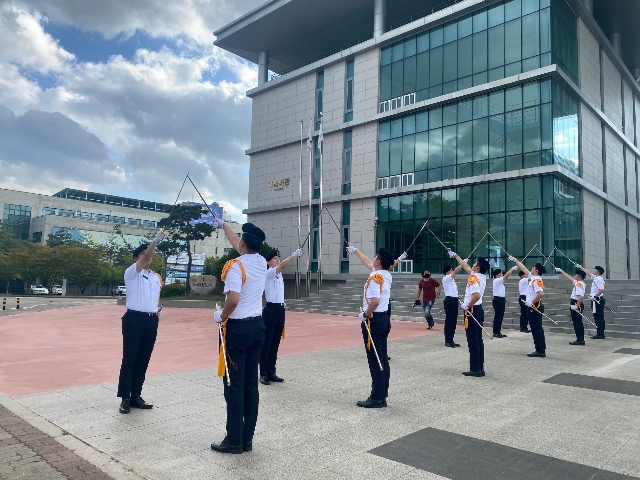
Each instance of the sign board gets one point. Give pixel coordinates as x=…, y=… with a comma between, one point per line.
x=183, y=259
x=207, y=217
x=203, y=284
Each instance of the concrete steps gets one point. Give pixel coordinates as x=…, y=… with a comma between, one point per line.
x=623, y=296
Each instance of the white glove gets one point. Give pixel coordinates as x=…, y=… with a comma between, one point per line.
x=403, y=256
x=464, y=306
x=297, y=253
x=466, y=260
x=362, y=317
x=159, y=236
x=574, y=307
x=159, y=314
x=577, y=265
x=452, y=254
x=528, y=304
x=218, y=222
x=217, y=315
x=592, y=298
x=558, y=270
x=351, y=249
x=511, y=258
x=514, y=268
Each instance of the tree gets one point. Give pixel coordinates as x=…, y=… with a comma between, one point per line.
x=83, y=265
x=61, y=237
x=182, y=226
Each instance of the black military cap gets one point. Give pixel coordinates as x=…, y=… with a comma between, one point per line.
x=541, y=269
x=271, y=254
x=251, y=229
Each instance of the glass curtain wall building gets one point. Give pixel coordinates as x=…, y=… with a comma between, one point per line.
x=516, y=117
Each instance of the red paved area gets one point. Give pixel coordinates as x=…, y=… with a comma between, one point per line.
x=57, y=349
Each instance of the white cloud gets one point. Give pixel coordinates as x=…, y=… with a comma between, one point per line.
x=134, y=126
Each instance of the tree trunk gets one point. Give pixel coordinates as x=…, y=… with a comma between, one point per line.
x=188, y=288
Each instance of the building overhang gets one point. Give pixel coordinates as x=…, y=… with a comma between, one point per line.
x=623, y=17
x=299, y=32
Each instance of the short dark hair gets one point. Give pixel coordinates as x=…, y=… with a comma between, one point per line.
x=484, y=265
x=271, y=254
x=447, y=269
x=600, y=269
x=581, y=273
x=541, y=268
x=252, y=236
x=521, y=273
x=140, y=249
x=496, y=272
x=386, y=259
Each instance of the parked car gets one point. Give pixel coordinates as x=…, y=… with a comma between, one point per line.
x=38, y=290
x=56, y=290
x=120, y=290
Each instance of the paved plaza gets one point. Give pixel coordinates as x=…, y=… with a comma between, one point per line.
x=574, y=414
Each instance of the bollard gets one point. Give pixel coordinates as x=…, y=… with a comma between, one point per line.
x=4, y=303
x=18, y=303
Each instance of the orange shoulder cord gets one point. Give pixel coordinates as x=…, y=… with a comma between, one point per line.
x=473, y=279
x=225, y=271
x=379, y=279
x=540, y=283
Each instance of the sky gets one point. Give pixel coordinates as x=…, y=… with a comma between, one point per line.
x=124, y=97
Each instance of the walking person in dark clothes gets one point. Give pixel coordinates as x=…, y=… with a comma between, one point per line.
x=273, y=315
x=499, y=301
x=243, y=334
x=139, y=325
x=428, y=287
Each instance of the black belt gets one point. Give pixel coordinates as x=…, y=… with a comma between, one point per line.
x=144, y=314
x=276, y=304
x=246, y=319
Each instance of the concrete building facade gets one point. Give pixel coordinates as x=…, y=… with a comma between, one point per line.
x=516, y=117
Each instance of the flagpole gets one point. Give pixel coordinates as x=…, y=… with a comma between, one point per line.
x=319, y=276
x=310, y=148
x=297, y=279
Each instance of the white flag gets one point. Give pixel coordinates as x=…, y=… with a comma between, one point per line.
x=320, y=136
x=310, y=139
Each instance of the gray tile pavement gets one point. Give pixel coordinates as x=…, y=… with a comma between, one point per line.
x=309, y=426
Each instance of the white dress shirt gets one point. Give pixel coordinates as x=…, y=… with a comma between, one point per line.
x=250, y=304
x=373, y=291
x=598, y=284
x=533, y=289
x=523, y=285
x=578, y=289
x=475, y=287
x=498, y=287
x=143, y=289
x=449, y=286
x=274, y=286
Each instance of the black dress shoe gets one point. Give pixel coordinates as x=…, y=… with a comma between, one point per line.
x=456, y=344
x=275, y=378
x=471, y=373
x=265, y=380
x=450, y=345
x=526, y=330
x=125, y=406
x=370, y=403
x=224, y=447
x=247, y=447
x=598, y=337
x=430, y=327
x=536, y=354
x=575, y=342
x=388, y=358
x=140, y=403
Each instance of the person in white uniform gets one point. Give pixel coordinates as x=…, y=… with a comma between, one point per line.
x=499, y=301
x=243, y=333
x=597, y=298
x=450, y=304
x=523, y=284
x=375, y=305
x=576, y=306
x=472, y=305
x=535, y=308
x=273, y=315
x=139, y=325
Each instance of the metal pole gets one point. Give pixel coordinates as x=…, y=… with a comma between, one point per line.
x=319, y=276
x=309, y=252
x=297, y=279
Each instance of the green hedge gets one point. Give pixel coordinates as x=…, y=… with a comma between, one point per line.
x=173, y=290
